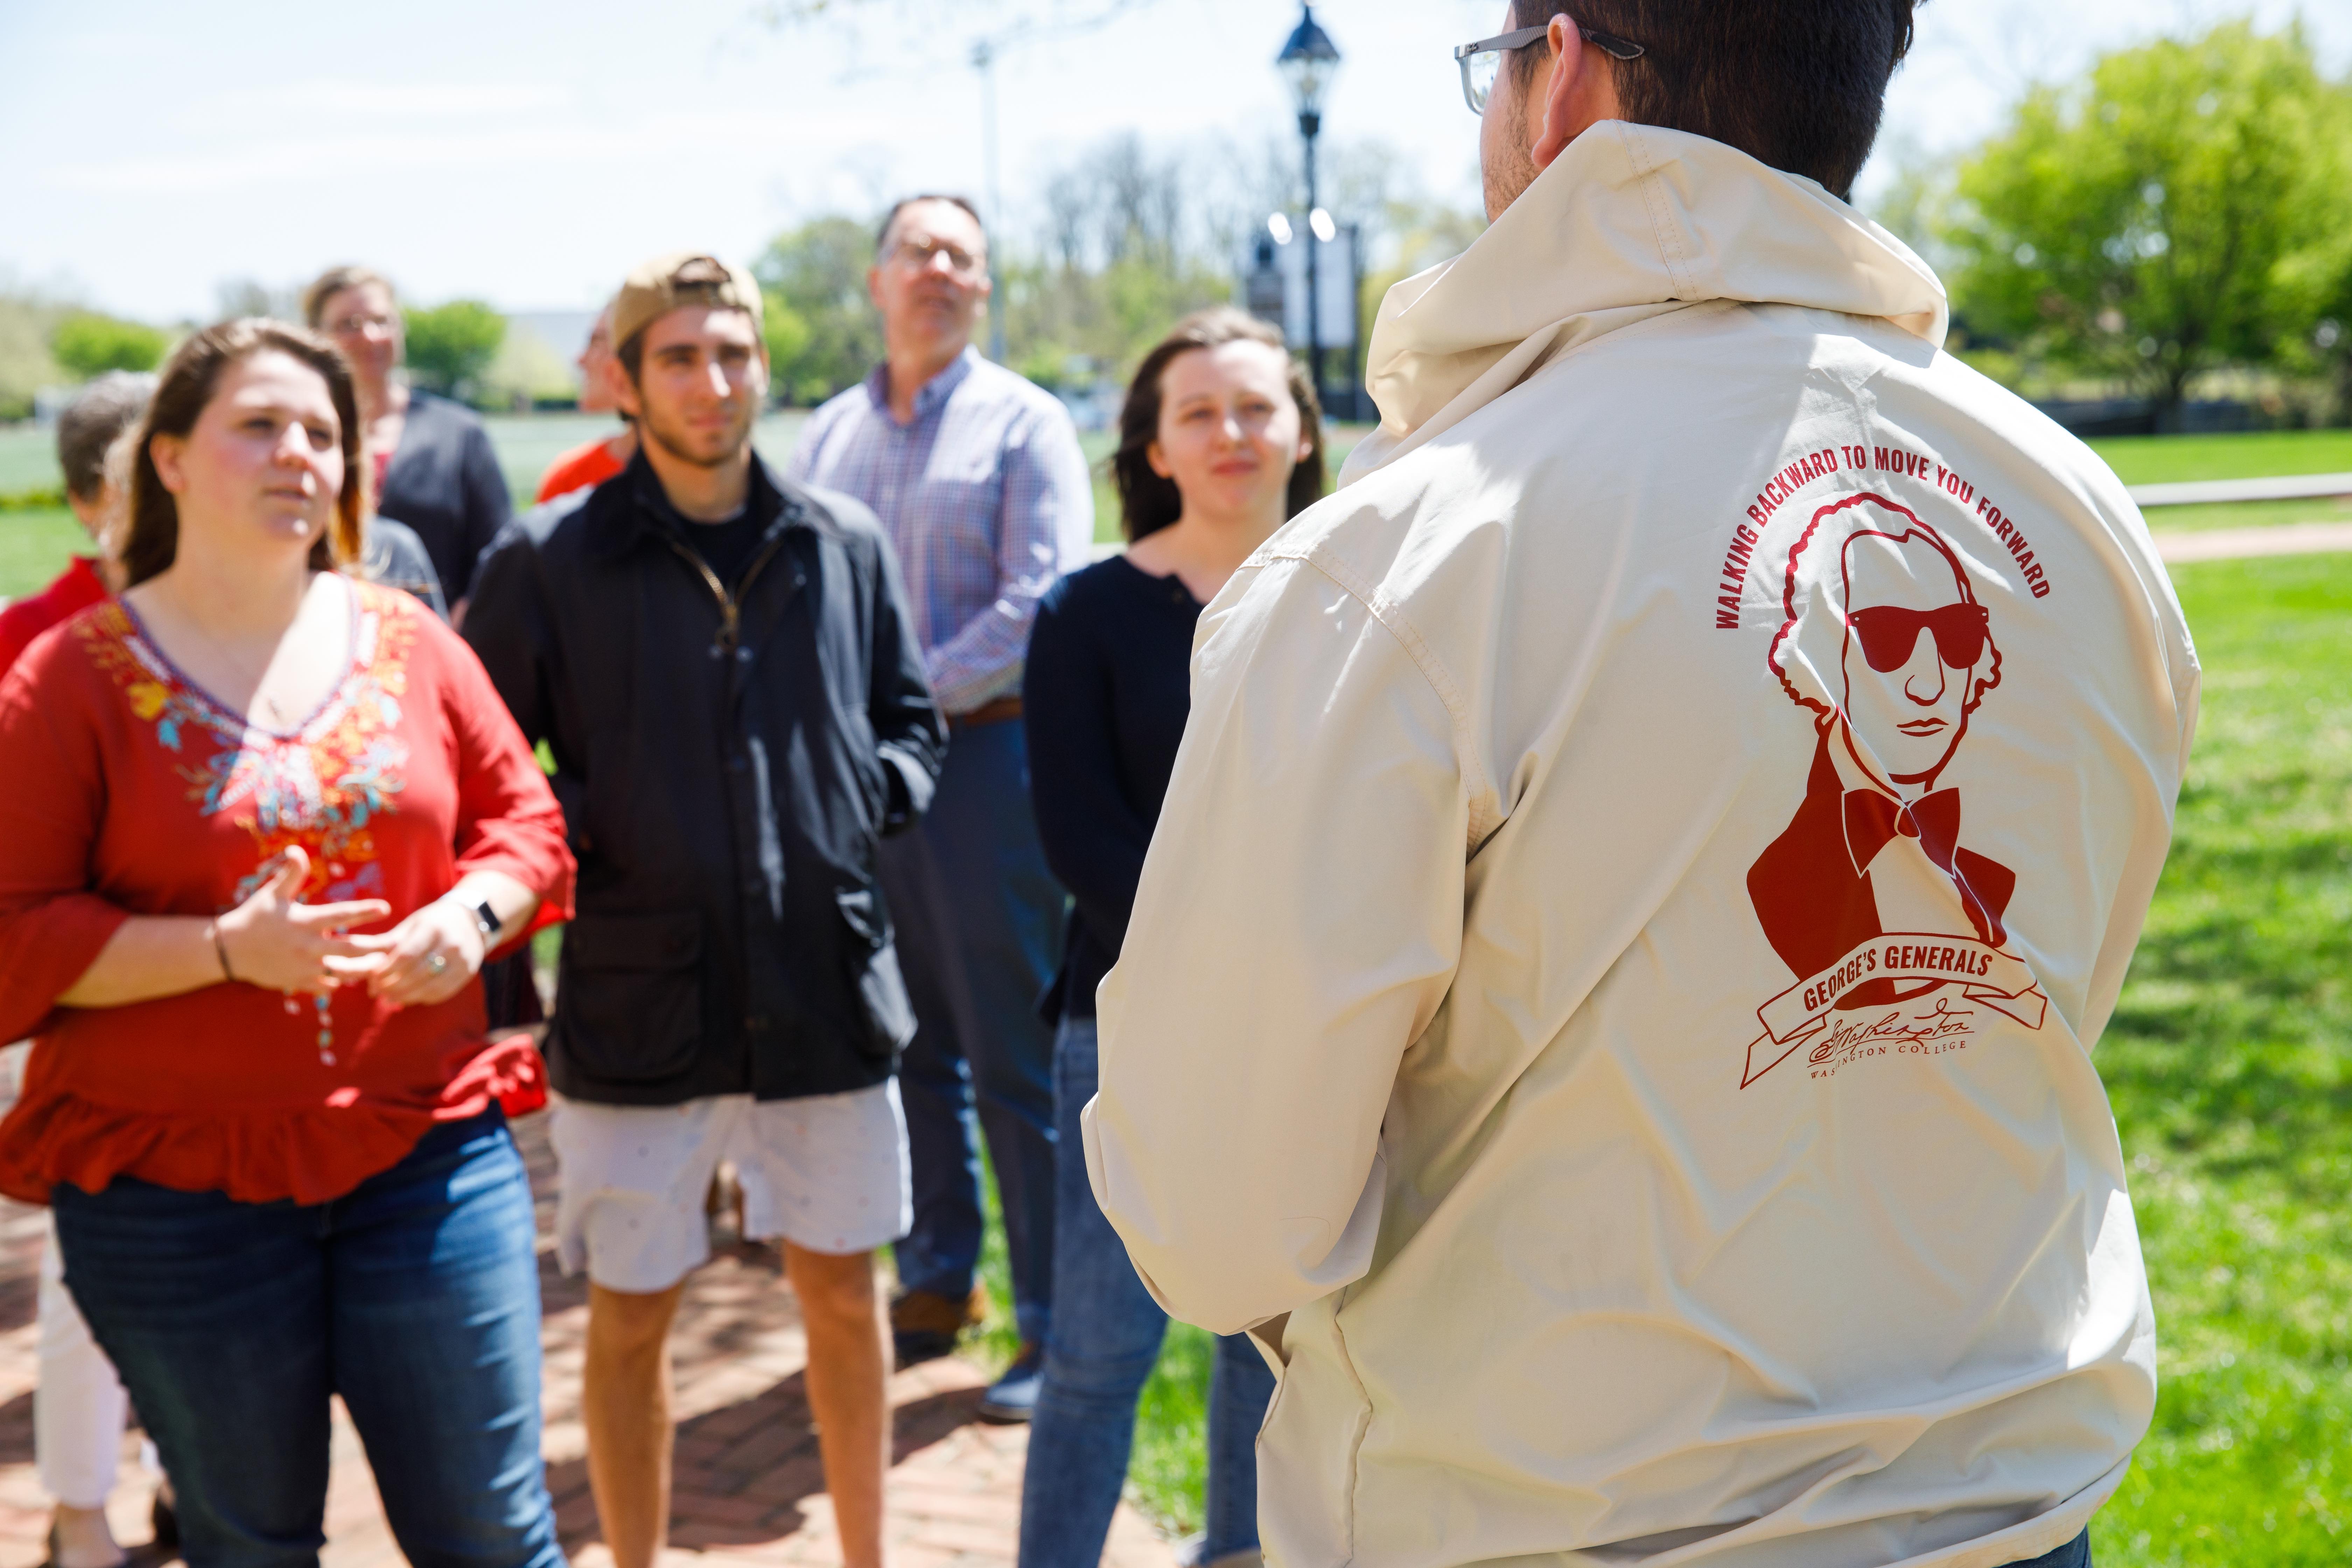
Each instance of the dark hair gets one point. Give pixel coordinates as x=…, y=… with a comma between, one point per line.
x=1147, y=501
x=333, y=282
x=882, y=235
x=100, y=412
x=192, y=375
x=1798, y=84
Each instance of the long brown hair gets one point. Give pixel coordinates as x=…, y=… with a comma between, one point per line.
x=1149, y=502
x=152, y=540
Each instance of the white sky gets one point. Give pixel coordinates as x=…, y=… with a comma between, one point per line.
x=529, y=152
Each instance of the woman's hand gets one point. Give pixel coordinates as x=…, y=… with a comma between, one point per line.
x=274, y=940
x=424, y=959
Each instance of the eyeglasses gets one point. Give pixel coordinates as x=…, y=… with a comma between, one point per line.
x=1480, y=61
x=353, y=326
x=1890, y=635
x=919, y=253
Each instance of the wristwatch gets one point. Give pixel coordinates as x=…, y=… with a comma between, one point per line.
x=487, y=918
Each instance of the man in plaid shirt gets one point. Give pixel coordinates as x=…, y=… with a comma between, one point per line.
x=978, y=477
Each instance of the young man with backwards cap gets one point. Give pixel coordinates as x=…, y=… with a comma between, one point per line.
x=720, y=661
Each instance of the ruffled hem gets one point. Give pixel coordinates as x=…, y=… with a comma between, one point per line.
x=311, y=1154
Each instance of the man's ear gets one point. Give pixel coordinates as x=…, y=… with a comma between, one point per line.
x=1578, y=93
x=874, y=284
x=621, y=388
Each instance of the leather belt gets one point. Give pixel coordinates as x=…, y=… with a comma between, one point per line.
x=994, y=712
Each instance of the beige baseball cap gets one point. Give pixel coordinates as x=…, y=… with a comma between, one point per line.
x=680, y=278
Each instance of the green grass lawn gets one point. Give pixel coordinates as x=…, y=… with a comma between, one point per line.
x=2254, y=454
x=28, y=460
x=2230, y=1063
x=34, y=545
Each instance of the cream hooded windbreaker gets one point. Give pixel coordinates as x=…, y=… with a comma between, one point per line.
x=1649, y=861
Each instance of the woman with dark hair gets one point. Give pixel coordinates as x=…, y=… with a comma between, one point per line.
x=1220, y=442
x=259, y=824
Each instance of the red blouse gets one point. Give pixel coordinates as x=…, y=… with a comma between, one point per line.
x=125, y=789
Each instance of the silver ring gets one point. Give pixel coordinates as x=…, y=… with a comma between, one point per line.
x=436, y=963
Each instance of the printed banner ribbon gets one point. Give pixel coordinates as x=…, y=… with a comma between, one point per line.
x=1985, y=975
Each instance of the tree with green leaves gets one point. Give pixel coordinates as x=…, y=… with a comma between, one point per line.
x=450, y=346
x=2158, y=219
x=86, y=344
x=822, y=334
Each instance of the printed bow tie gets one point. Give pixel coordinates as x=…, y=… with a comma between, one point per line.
x=1934, y=819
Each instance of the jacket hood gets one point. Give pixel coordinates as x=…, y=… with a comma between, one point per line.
x=1629, y=222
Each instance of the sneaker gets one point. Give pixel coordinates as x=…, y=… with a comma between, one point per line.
x=1192, y=1551
x=924, y=1325
x=1012, y=1399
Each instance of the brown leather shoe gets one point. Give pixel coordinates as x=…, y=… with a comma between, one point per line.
x=924, y=1325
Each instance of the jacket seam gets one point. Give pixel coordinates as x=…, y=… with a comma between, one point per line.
x=1390, y=615
x=1670, y=250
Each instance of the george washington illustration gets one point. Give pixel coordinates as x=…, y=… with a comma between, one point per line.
x=1885, y=643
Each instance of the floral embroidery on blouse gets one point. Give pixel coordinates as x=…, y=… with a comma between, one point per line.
x=320, y=786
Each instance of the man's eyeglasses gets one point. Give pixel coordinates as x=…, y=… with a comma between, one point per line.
x=919, y=253
x=1890, y=635
x=1480, y=61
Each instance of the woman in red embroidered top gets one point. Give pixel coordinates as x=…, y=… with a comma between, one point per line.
x=259, y=823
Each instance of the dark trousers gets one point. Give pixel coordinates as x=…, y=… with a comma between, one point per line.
x=980, y=921
x=2075, y=1553
x=416, y=1297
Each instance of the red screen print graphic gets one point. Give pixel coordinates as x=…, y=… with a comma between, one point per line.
x=1892, y=926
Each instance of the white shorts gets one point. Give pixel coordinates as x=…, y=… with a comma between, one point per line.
x=828, y=1174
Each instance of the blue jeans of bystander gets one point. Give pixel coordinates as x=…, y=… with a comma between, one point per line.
x=416, y=1297
x=1105, y=1341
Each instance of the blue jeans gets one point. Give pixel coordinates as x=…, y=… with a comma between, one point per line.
x=416, y=1297
x=1105, y=1341
x=980, y=923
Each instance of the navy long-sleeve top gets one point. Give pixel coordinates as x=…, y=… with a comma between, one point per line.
x=1108, y=690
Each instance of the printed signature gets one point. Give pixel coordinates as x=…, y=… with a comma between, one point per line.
x=1896, y=1032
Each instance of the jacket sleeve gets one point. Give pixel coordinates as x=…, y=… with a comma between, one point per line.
x=1297, y=925
x=1093, y=836
x=907, y=729
x=507, y=820
x=509, y=630
x=488, y=505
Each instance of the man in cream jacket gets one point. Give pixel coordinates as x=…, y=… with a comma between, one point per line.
x=1611, y=995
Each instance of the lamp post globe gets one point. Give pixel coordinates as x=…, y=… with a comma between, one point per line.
x=1308, y=62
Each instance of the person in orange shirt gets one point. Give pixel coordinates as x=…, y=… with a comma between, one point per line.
x=593, y=462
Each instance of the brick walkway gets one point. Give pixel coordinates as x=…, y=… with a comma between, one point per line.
x=749, y=1488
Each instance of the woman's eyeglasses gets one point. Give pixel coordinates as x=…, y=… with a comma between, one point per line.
x=1480, y=61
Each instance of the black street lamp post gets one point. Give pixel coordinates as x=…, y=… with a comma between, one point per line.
x=1308, y=63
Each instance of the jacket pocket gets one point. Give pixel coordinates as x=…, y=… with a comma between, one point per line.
x=889, y=1015
x=631, y=1008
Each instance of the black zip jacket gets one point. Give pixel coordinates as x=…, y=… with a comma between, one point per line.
x=726, y=760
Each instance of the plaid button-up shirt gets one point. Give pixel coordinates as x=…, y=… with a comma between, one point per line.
x=986, y=496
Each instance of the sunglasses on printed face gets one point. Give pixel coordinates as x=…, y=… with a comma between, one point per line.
x=1889, y=634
